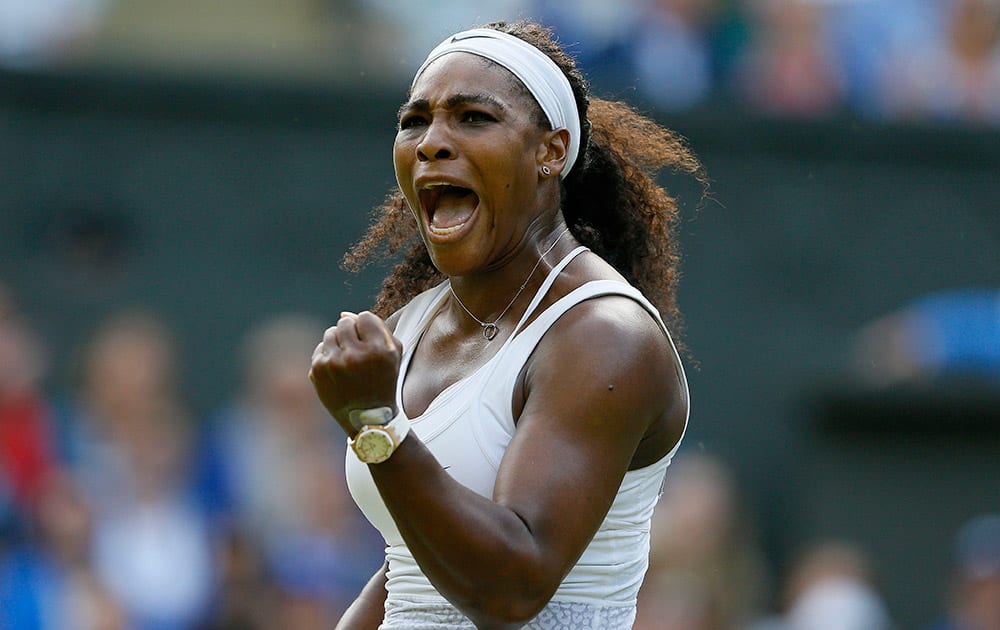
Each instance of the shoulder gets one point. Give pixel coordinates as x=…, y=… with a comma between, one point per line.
x=608, y=312
x=606, y=362
x=612, y=325
x=612, y=340
x=606, y=307
x=611, y=337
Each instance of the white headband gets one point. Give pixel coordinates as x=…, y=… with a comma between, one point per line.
x=532, y=67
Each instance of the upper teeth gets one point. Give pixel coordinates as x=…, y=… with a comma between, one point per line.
x=434, y=184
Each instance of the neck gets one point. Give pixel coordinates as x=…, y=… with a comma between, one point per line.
x=486, y=300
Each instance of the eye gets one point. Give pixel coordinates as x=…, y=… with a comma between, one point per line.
x=476, y=116
x=412, y=120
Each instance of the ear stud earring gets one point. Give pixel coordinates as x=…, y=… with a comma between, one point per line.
x=546, y=171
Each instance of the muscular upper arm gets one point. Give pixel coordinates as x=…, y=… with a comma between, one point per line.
x=603, y=378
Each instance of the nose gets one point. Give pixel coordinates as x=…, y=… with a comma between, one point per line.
x=436, y=143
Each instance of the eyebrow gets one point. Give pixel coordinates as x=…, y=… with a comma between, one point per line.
x=453, y=102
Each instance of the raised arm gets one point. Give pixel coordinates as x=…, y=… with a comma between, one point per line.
x=601, y=392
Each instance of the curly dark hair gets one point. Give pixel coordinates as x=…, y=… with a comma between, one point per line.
x=610, y=200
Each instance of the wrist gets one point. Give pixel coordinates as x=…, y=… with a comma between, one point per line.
x=359, y=418
x=375, y=443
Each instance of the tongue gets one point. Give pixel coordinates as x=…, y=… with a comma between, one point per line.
x=453, y=208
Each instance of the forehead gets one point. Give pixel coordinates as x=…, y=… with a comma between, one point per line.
x=467, y=73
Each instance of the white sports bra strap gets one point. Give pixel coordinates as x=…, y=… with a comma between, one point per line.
x=547, y=284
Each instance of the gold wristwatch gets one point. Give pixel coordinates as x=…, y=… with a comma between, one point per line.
x=376, y=442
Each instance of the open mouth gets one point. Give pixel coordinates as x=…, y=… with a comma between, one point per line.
x=448, y=207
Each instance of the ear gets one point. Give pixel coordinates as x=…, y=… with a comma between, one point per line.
x=552, y=151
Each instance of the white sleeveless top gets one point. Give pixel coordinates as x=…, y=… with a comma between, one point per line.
x=468, y=427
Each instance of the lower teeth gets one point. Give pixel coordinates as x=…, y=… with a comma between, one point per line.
x=447, y=230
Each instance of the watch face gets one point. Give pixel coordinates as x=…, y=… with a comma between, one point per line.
x=373, y=445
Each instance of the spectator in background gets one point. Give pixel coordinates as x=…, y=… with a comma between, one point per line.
x=48, y=582
x=597, y=34
x=974, y=595
x=403, y=32
x=245, y=598
x=322, y=565
x=866, y=34
x=788, y=68
x=672, y=53
x=953, y=76
x=26, y=449
x=705, y=569
x=127, y=442
x=954, y=332
x=273, y=471
x=830, y=587
x=46, y=32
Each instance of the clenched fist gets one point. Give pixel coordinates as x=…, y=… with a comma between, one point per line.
x=356, y=367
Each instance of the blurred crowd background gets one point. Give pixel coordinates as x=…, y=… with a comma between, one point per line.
x=181, y=178
x=882, y=59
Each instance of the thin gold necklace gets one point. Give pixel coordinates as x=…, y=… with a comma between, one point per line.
x=490, y=329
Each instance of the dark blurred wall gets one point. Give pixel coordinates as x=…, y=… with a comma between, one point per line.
x=817, y=229
x=219, y=203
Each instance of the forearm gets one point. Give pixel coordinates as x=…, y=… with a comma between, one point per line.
x=479, y=555
x=368, y=610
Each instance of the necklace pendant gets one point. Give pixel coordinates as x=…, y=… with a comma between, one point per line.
x=490, y=331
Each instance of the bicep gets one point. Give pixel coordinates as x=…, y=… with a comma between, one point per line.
x=593, y=389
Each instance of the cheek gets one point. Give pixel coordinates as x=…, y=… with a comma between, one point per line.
x=399, y=161
x=403, y=167
x=515, y=177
